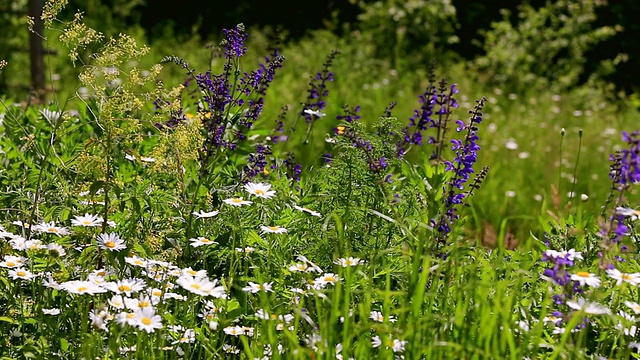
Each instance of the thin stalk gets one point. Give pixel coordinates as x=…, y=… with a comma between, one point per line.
x=575, y=168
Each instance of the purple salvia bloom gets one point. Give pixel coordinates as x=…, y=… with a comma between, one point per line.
x=318, y=92
x=233, y=42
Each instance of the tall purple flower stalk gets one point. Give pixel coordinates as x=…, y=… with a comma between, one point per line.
x=462, y=167
x=318, y=92
x=625, y=171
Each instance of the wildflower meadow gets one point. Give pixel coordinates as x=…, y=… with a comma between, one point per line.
x=266, y=200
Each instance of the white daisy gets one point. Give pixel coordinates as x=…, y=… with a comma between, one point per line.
x=633, y=279
x=199, y=241
x=581, y=304
x=234, y=330
x=255, y=288
x=82, y=287
x=203, y=214
x=377, y=316
x=11, y=261
x=350, y=261
x=237, y=202
x=273, y=229
x=51, y=228
x=633, y=306
x=136, y=261
x=147, y=320
x=87, y=220
x=21, y=273
x=125, y=286
x=307, y=210
x=111, y=242
x=56, y=250
x=586, y=278
x=322, y=281
x=198, y=285
x=260, y=190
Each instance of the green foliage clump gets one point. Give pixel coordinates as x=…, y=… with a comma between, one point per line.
x=544, y=48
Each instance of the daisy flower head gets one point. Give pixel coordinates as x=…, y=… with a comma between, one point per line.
x=234, y=330
x=237, y=202
x=307, y=210
x=111, y=242
x=199, y=285
x=350, y=261
x=246, y=250
x=633, y=279
x=82, y=287
x=55, y=250
x=51, y=228
x=203, y=214
x=587, y=307
x=322, y=281
x=633, y=306
x=273, y=229
x=87, y=220
x=11, y=261
x=21, y=273
x=586, y=278
x=136, y=261
x=126, y=286
x=377, y=316
x=256, y=288
x=146, y=319
x=199, y=241
x=261, y=190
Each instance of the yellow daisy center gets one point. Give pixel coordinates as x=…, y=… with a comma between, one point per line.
x=196, y=286
x=274, y=228
x=583, y=274
x=86, y=222
x=236, y=200
x=110, y=244
x=192, y=272
x=260, y=192
x=52, y=229
x=329, y=278
x=146, y=321
x=21, y=273
x=11, y=264
x=144, y=304
x=82, y=289
x=131, y=315
x=626, y=277
x=205, y=240
x=156, y=293
x=124, y=288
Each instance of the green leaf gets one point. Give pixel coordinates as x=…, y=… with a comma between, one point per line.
x=7, y=319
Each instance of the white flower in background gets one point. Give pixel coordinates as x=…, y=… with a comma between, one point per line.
x=147, y=159
x=632, y=214
x=87, y=220
x=376, y=341
x=633, y=306
x=552, y=319
x=350, y=261
x=398, y=345
x=633, y=279
x=11, y=261
x=586, y=278
x=203, y=214
x=377, y=316
x=261, y=190
x=273, y=229
x=136, y=261
x=111, y=242
x=130, y=157
x=322, y=281
x=194, y=273
x=234, y=330
x=246, y=250
x=51, y=228
x=199, y=241
x=51, y=312
x=511, y=144
x=50, y=115
x=189, y=336
x=255, y=288
x=307, y=210
x=82, y=287
x=316, y=113
x=631, y=330
x=198, y=285
x=593, y=308
x=116, y=301
x=237, y=202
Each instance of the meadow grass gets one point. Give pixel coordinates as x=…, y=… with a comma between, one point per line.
x=150, y=219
